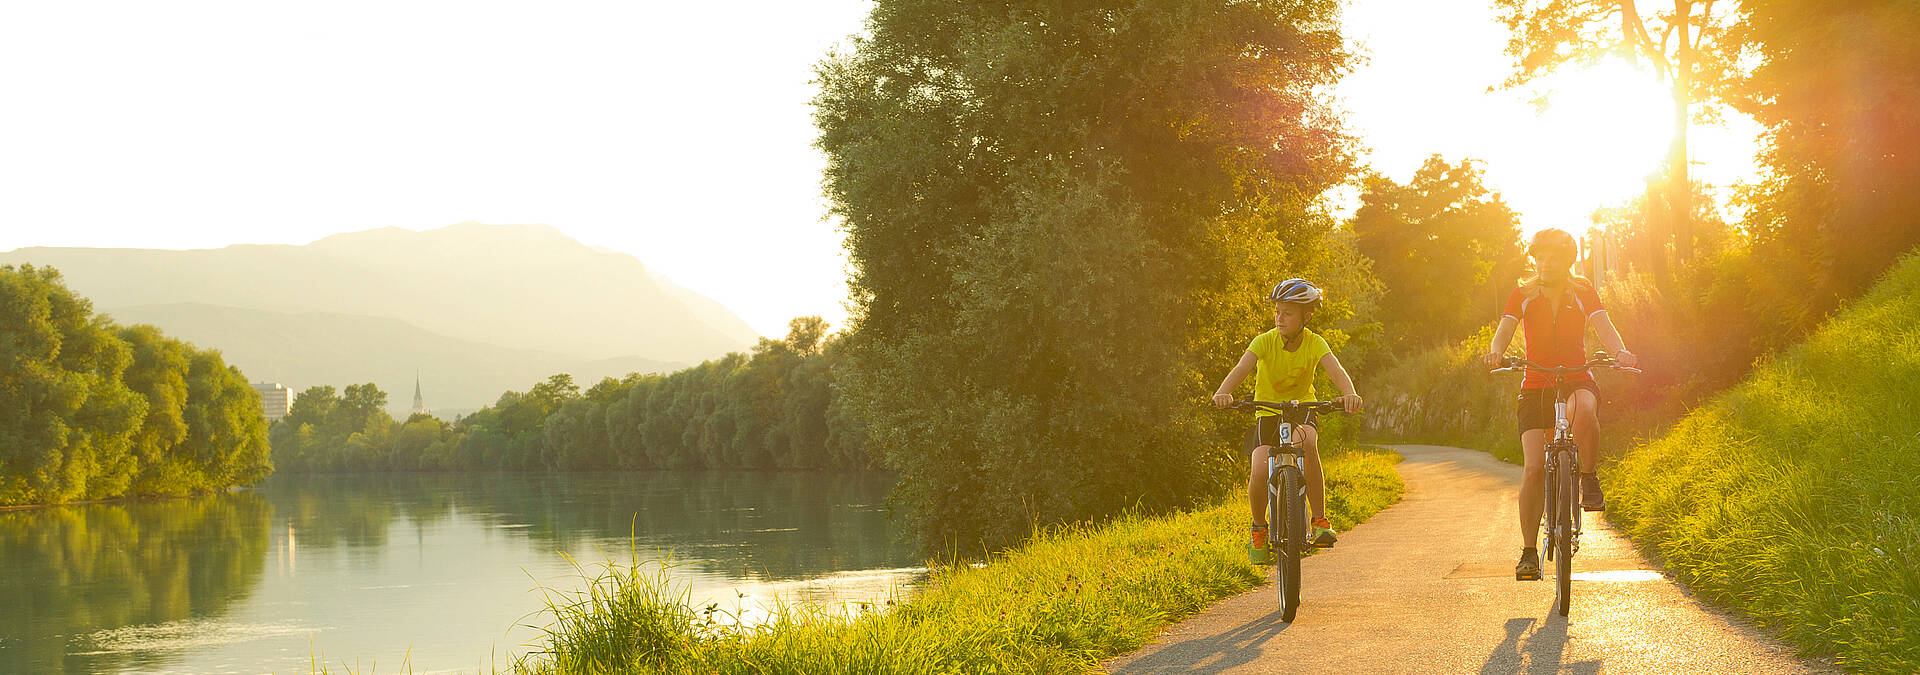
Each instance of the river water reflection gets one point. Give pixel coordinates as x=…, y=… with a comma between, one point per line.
x=364, y=571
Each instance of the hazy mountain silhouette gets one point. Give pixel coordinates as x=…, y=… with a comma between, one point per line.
x=307, y=349
x=519, y=286
x=477, y=309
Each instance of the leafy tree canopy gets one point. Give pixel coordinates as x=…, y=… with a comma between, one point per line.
x=1062, y=219
x=91, y=410
x=1445, y=248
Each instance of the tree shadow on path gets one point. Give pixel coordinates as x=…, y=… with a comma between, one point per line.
x=1215, y=654
x=1539, y=650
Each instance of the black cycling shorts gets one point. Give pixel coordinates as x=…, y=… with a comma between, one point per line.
x=1536, y=405
x=1266, y=430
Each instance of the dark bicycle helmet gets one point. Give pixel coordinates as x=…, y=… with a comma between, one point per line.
x=1296, y=291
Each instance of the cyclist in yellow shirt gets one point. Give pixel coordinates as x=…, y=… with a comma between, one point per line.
x=1282, y=361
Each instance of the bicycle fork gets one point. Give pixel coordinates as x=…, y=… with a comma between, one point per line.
x=1273, y=473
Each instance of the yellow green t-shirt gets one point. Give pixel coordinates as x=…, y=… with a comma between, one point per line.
x=1283, y=375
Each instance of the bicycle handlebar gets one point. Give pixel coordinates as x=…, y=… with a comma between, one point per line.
x=1281, y=407
x=1514, y=363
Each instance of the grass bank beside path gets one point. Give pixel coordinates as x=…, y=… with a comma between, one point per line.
x=1793, y=495
x=1063, y=602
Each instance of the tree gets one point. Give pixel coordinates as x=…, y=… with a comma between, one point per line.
x=295, y=439
x=66, y=416
x=1836, y=86
x=806, y=335
x=1444, y=247
x=226, y=441
x=1060, y=218
x=1690, y=54
x=361, y=407
x=158, y=373
x=91, y=410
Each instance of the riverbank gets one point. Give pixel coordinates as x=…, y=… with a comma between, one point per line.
x=1060, y=603
x=128, y=499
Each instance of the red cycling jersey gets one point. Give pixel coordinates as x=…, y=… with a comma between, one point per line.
x=1556, y=328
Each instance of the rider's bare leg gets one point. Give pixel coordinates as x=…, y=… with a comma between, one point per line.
x=1257, y=485
x=1316, y=481
x=1533, y=446
x=1583, y=410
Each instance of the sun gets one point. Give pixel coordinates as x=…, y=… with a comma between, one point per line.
x=1604, y=131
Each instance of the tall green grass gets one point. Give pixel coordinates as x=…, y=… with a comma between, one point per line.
x=1794, y=496
x=1062, y=602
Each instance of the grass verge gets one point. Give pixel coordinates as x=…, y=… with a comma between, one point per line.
x=1792, y=496
x=1062, y=602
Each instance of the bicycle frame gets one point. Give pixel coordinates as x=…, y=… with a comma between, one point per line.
x=1561, y=448
x=1286, y=447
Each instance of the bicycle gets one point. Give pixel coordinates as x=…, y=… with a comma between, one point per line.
x=1287, y=498
x=1561, y=519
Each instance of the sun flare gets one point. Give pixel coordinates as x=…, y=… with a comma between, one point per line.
x=1603, y=132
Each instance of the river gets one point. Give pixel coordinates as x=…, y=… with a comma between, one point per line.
x=419, y=572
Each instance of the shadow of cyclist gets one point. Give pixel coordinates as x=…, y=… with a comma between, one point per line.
x=1538, y=650
x=1216, y=654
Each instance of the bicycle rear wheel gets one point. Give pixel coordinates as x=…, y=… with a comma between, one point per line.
x=1563, y=507
x=1293, y=531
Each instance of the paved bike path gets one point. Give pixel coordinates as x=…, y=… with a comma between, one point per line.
x=1427, y=586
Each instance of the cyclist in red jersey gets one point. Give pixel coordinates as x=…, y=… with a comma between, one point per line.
x=1555, y=308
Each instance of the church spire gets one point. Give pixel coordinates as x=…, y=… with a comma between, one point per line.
x=419, y=403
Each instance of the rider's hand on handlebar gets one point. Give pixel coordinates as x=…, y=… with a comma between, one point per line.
x=1491, y=359
x=1223, y=400
x=1626, y=358
x=1351, y=403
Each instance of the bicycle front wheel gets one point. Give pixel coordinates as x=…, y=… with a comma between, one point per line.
x=1293, y=529
x=1563, y=505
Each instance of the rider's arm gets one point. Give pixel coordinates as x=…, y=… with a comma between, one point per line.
x=1610, y=338
x=1503, y=336
x=1341, y=381
x=1223, y=396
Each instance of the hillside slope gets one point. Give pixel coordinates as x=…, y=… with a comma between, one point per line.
x=307, y=349
x=518, y=286
x=1792, y=496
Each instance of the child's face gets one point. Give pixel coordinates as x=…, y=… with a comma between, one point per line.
x=1289, y=318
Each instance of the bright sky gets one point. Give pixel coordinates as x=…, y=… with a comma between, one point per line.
x=680, y=133
x=1424, y=90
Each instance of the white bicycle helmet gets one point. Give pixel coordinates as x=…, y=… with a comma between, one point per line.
x=1296, y=291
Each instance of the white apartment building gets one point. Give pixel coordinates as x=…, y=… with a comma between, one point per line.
x=275, y=400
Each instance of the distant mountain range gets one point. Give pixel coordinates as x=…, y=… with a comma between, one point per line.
x=475, y=309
